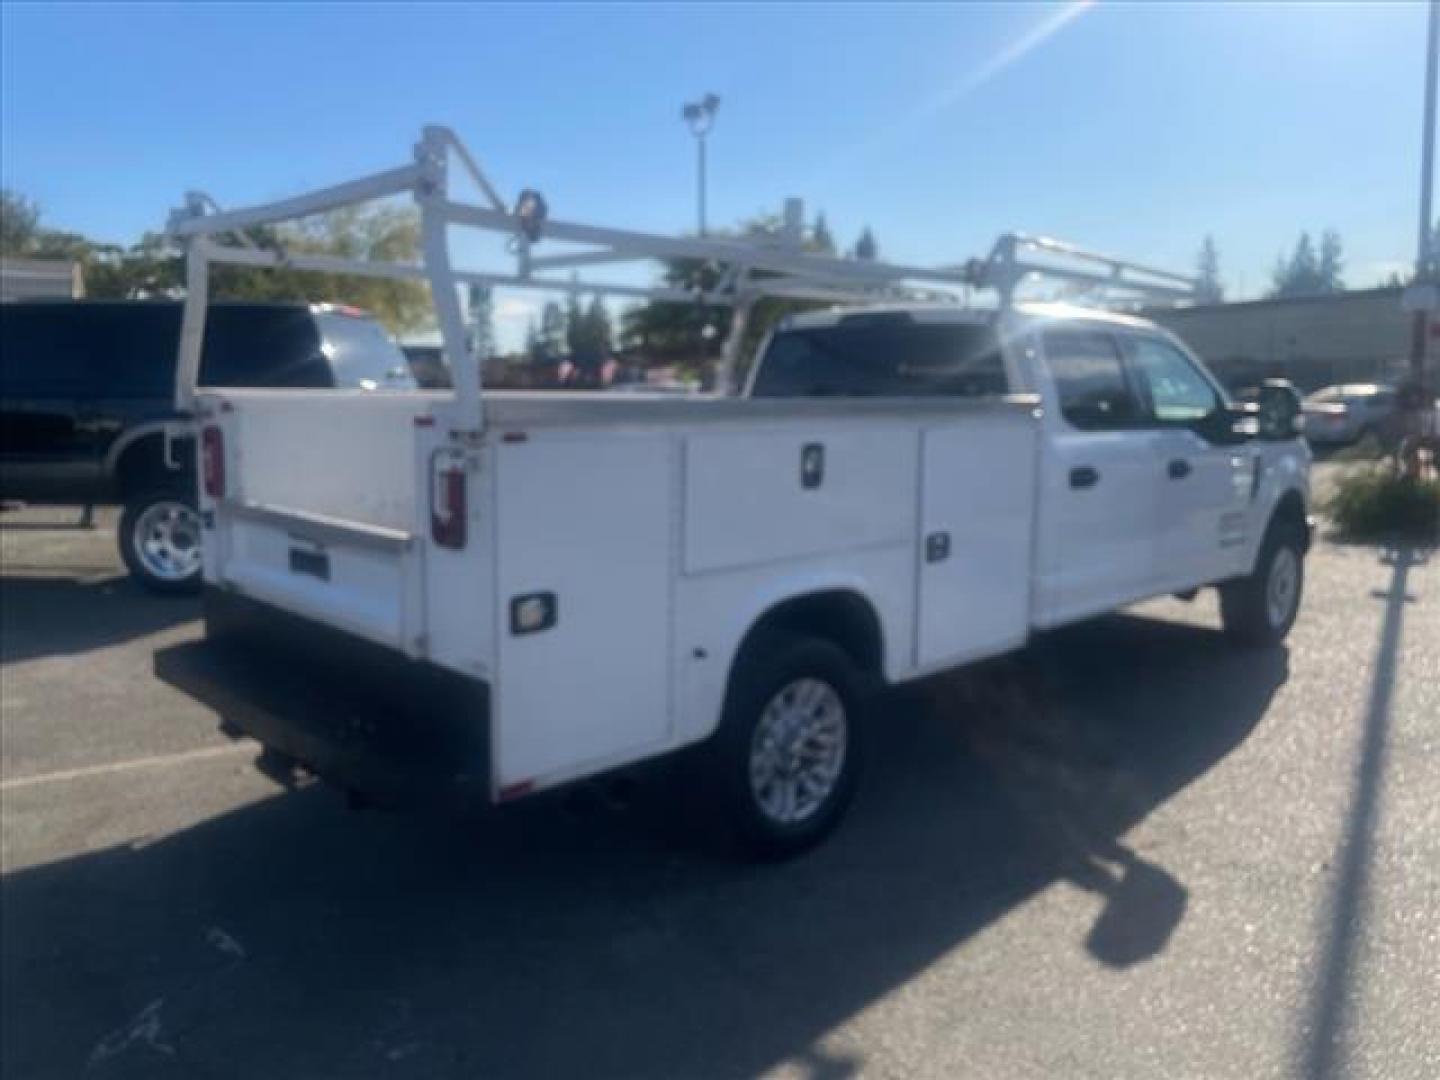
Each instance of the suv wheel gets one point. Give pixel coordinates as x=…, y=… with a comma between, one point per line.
x=787, y=755
x=160, y=540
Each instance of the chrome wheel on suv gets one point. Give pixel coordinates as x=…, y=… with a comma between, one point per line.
x=160, y=539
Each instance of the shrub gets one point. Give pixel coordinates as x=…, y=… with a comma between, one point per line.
x=1367, y=449
x=1376, y=503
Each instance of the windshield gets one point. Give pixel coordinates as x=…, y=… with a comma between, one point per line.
x=890, y=356
x=362, y=355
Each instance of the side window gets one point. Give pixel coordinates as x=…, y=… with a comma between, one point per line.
x=130, y=348
x=882, y=355
x=262, y=345
x=40, y=350
x=1090, y=382
x=362, y=355
x=1176, y=391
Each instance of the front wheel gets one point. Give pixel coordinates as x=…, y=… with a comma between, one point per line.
x=1261, y=608
x=160, y=541
x=785, y=761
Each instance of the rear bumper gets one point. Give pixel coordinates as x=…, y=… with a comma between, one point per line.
x=366, y=718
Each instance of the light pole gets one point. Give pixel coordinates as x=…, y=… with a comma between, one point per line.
x=1425, y=258
x=700, y=116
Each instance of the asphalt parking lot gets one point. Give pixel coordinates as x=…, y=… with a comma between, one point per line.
x=1130, y=851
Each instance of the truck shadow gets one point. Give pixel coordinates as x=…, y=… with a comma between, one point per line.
x=291, y=938
x=65, y=614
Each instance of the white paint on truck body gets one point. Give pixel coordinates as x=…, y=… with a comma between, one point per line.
x=664, y=529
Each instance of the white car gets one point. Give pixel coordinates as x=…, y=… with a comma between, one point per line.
x=1339, y=415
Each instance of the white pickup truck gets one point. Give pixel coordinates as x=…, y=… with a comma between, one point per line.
x=547, y=586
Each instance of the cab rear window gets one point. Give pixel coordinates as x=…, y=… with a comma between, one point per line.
x=882, y=356
x=362, y=356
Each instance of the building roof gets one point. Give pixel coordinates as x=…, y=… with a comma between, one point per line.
x=1348, y=296
x=23, y=279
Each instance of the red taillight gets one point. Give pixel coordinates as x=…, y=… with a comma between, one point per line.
x=212, y=461
x=448, y=507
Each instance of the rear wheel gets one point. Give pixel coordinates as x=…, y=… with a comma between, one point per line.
x=160, y=540
x=785, y=761
x=1261, y=608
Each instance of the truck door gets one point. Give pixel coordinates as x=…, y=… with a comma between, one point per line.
x=1096, y=546
x=1203, y=489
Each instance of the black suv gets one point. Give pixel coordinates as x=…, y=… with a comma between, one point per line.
x=87, y=391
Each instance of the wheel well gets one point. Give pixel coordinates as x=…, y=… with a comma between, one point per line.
x=1290, y=514
x=141, y=466
x=838, y=615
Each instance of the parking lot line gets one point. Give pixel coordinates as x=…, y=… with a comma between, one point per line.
x=157, y=761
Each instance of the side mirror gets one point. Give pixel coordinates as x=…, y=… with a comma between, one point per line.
x=1280, y=413
x=1228, y=425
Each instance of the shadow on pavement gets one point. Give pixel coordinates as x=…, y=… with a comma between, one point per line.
x=61, y=615
x=1332, y=998
x=289, y=938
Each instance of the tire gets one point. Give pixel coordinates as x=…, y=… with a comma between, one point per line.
x=159, y=540
x=759, y=762
x=1260, y=609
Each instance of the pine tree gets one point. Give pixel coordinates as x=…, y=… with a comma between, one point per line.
x=820, y=238
x=552, y=330
x=574, y=324
x=1207, y=269
x=1298, y=275
x=1307, y=274
x=599, y=333
x=866, y=247
x=1328, y=279
x=482, y=321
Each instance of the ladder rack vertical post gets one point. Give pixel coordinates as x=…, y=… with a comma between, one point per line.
x=192, y=321
x=734, y=342
x=432, y=194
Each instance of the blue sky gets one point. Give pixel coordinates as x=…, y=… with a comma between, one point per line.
x=1130, y=128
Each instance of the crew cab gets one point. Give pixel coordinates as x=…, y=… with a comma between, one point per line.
x=87, y=400
x=534, y=588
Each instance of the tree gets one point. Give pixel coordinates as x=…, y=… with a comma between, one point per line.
x=552, y=331
x=599, y=333
x=574, y=324
x=19, y=223
x=1307, y=274
x=154, y=267
x=681, y=329
x=1299, y=275
x=1207, y=272
x=820, y=239
x=380, y=234
x=1331, y=263
x=480, y=309
x=691, y=332
x=866, y=247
